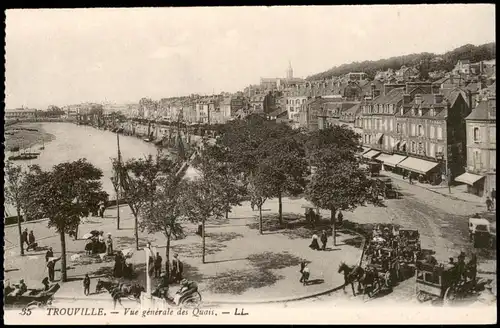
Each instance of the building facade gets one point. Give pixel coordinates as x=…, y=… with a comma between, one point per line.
x=481, y=149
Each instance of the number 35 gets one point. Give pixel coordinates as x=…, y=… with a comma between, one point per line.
x=26, y=311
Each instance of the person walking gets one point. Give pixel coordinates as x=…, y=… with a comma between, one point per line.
x=324, y=239
x=31, y=241
x=493, y=197
x=86, y=285
x=304, y=270
x=109, y=245
x=25, y=238
x=51, y=267
x=314, y=243
x=488, y=203
x=340, y=218
x=157, y=265
x=49, y=254
x=101, y=209
x=410, y=178
x=177, y=268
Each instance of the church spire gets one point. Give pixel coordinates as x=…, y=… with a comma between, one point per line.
x=289, y=72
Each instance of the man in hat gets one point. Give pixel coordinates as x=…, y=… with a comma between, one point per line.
x=49, y=254
x=177, y=268
x=461, y=265
x=21, y=288
x=157, y=265
x=51, y=267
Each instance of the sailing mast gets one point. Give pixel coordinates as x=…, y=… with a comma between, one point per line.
x=118, y=183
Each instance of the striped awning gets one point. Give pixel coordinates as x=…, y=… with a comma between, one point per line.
x=382, y=157
x=394, y=160
x=469, y=178
x=378, y=137
x=417, y=165
x=372, y=153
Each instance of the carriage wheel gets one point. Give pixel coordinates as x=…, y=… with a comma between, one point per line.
x=421, y=297
x=193, y=301
x=450, y=296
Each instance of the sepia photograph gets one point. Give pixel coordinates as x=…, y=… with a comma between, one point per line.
x=234, y=165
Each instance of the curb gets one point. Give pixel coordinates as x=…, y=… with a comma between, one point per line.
x=437, y=192
x=296, y=298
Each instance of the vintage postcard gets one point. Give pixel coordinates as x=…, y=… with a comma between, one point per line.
x=314, y=164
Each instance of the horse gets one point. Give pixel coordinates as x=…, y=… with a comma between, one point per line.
x=351, y=275
x=370, y=277
x=119, y=290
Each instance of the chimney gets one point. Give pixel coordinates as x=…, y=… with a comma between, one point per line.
x=438, y=98
x=406, y=99
x=418, y=99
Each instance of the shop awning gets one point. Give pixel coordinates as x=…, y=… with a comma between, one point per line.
x=469, y=178
x=372, y=153
x=394, y=160
x=402, y=144
x=378, y=137
x=417, y=165
x=383, y=157
x=365, y=149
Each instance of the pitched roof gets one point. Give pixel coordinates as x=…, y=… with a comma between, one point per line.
x=392, y=97
x=481, y=112
x=277, y=112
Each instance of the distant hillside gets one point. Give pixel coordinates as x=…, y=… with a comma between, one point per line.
x=423, y=60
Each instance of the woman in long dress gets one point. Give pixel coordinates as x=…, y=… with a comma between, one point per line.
x=314, y=242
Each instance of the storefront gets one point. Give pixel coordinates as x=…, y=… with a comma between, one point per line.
x=474, y=182
x=425, y=171
x=391, y=161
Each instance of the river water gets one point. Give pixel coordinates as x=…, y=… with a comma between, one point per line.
x=73, y=142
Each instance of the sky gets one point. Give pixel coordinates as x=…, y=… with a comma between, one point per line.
x=68, y=56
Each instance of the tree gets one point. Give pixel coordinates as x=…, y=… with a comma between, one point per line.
x=338, y=184
x=164, y=212
x=13, y=193
x=260, y=190
x=60, y=196
x=138, y=178
x=205, y=196
x=284, y=163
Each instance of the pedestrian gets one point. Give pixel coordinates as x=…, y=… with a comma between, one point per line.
x=488, y=203
x=324, y=239
x=410, y=178
x=340, y=218
x=86, y=285
x=50, y=266
x=109, y=245
x=305, y=273
x=49, y=254
x=158, y=261
x=199, y=232
x=101, y=209
x=31, y=241
x=314, y=242
x=252, y=205
x=25, y=238
x=494, y=196
x=177, y=268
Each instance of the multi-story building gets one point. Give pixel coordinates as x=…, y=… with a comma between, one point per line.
x=481, y=149
x=293, y=105
x=356, y=76
x=20, y=113
x=348, y=118
x=462, y=67
x=421, y=133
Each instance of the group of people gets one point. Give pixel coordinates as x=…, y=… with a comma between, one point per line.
x=29, y=239
x=315, y=244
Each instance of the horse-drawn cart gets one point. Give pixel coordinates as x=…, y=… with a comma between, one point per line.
x=32, y=297
x=447, y=283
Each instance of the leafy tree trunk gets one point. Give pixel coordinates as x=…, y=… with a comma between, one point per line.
x=20, y=230
x=203, y=240
x=332, y=220
x=64, y=275
x=76, y=232
x=260, y=219
x=280, y=208
x=167, y=257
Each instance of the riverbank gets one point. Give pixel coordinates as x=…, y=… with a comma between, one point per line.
x=25, y=136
